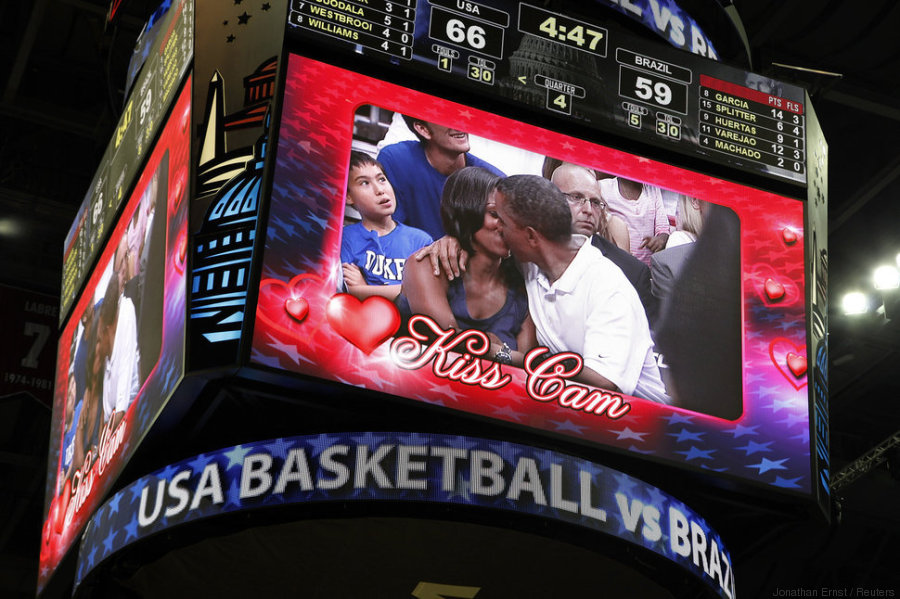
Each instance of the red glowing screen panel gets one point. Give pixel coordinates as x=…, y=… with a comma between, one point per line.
x=750, y=421
x=121, y=353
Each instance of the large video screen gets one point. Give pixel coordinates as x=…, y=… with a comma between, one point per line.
x=605, y=297
x=121, y=353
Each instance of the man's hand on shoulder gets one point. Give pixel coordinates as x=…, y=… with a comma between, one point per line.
x=446, y=256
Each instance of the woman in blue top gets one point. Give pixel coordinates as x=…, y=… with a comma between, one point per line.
x=490, y=294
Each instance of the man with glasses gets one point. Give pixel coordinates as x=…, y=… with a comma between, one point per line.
x=589, y=212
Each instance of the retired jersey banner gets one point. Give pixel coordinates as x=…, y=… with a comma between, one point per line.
x=417, y=467
x=28, y=323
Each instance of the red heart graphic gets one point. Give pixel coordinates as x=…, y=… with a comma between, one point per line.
x=63, y=506
x=774, y=290
x=796, y=364
x=181, y=251
x=789, y=358
x=365, y=324
x=773, y=287
x=789, y=236
x=297, y=307
x=177, y=193
x=271, y=308
x=185, y=118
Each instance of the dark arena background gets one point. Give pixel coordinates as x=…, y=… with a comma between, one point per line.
x=193, y=402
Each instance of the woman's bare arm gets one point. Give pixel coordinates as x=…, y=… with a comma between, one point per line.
x=427, y=293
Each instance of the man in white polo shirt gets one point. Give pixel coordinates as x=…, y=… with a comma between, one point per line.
x=580, y=301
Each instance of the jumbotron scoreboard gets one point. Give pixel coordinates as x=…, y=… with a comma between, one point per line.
x=213, y=232
x=581, y=69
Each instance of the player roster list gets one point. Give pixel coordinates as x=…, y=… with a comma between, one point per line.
x=751, y=124
x=382, y=25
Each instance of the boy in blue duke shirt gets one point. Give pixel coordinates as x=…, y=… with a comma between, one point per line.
x=374, y=251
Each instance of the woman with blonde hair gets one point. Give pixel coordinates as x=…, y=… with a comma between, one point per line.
x=688, y=221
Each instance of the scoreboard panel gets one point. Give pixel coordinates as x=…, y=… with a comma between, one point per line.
x=582, y=67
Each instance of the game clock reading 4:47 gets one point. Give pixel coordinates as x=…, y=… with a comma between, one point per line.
x=563, y=30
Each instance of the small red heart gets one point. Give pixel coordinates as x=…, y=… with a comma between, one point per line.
x=789, y=236
x=796, y=364
x=790, y=360
x=774, y=289
x=272, y=310
x=365, y=324
x=182, y=249
x=178, y=190
x=297, y=307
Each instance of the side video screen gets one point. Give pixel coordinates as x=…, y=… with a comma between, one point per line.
x=121, y=353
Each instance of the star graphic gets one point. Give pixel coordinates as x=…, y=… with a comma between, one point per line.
x=787, y=325
x=686, y=435
x=109, y=541
x=230, y=39
x=765, y=465
x=322, y=442
x=657, y=497
x=793, y=419
x=446, y=391
x=168, y=472
x=234, y=494
x=676, y=418
x=752, y=447
x=568, y=425
x=695, y=453
x=277, y=448
x=627, y=433
x=244, y=18
x=626, y=483
x=114, y=504
x=236, y=456
x=131, y=529
x=787, y=483
x=803, y=437
x=509, y=413
x=319, y=221
x=767, y=391
x=137, y=490
x=225, y=23
x=460, y=489
x=288, y=349
x=266, y=6
x=740, y=430
x=199, y=462
x=779, y=404
x=237, y=2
